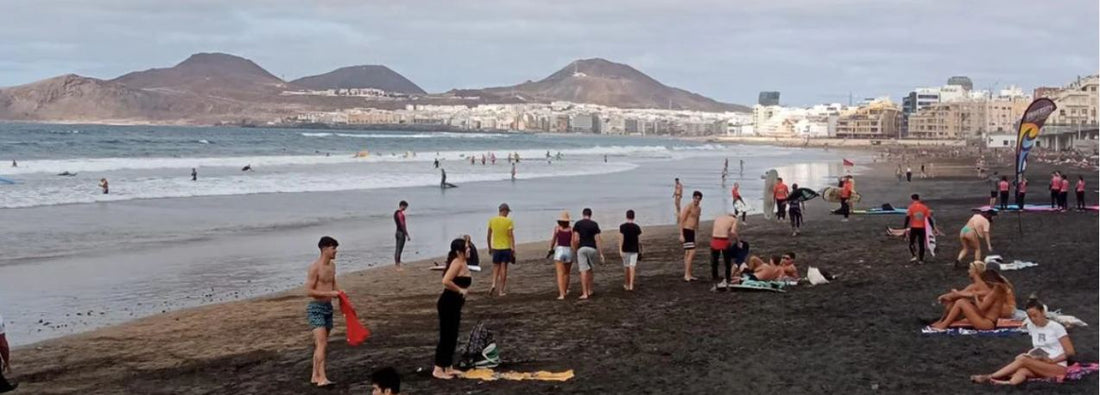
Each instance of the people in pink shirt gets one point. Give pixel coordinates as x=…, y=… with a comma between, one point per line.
x=1080, y=189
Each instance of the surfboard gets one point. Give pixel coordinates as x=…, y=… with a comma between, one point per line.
x=832, y=195
x=740, y=287
x=929, y=237
x=770, y=178
x=6, y=181
x=741, y=207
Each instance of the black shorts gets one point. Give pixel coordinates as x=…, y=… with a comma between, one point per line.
x=503, y=256
x=992, y=194
x=689, y=238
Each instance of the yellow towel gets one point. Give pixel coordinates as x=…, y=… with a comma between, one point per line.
x=542, y=375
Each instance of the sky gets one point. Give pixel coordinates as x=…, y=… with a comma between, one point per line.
x=812, y=51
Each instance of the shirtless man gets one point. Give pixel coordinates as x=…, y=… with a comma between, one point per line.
x=722, y=237
x=677, y=194
x=321, y=286
x=689, y=222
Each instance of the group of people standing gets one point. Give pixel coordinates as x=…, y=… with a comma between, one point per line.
x=1060, y=186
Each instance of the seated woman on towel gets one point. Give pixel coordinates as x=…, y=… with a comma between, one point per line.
x=778, y=269
x=1051, y=348
x=977, y=290
x=983, y=313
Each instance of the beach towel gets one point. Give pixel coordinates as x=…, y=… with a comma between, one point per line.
x=357, y=333
x=1032, y=208
x=757, y=285
x=814, y=275
x=1067, y=321
x=877, y=211
x=999, y=332
x=485, y=374
x=1074, y=372
x=1002, y=323
x=1015, y=265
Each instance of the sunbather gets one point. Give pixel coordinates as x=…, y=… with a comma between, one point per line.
x=786, y=265
x=766, y=271
x=982, y=314
x=1051, y=347
x=977, y=290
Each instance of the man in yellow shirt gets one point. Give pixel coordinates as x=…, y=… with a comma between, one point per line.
x=502, y=246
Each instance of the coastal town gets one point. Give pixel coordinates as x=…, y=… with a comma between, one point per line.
x=954, y=112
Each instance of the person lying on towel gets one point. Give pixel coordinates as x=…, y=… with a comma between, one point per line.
x=984, y=312
x=977, y=290
x=778, y=269
x=1051, y=348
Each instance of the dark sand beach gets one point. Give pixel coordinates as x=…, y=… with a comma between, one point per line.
x=859, y=334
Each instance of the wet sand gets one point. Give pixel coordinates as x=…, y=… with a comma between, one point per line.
x=857, y=334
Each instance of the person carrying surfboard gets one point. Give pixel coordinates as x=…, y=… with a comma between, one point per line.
x=845, y=195
x=917, y=217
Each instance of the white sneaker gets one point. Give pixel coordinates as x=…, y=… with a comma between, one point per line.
x=722, y=285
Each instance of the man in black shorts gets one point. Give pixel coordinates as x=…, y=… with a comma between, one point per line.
x=689, y=223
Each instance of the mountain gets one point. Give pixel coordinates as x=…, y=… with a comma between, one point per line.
x=72, y=97
x=215, y=74
x=366, y=76
x=598, y=81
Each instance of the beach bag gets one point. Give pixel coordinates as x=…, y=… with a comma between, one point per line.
x=887, y=207
x=815, y=276
x=481, y=349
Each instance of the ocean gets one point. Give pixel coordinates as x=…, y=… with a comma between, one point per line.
x=73, y=259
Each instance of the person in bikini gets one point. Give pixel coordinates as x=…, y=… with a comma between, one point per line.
x=983, y=314
x=976, y=228
x=976, y=291
x=689, y=222
x=561, y=249
x=321, y=286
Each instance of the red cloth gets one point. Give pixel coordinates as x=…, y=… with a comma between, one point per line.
x=848, y=163
x=357, y=333
x=1080, y=185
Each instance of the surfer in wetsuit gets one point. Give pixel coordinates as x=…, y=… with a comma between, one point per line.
x=443, y=180
x=194, y=174
x=436, y=163
x=13, y=164
x=247, y=167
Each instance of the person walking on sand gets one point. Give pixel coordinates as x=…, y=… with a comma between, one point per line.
x=1021, y=192
x=795, y=204
x=1055, y=188
x=1002, y=191
x=897, y=173
x=630, y=249
x=194, y=174
x=1079, y=190
x=103, y=184
x=780, y=193
x=976, y=229
x=502, y=246
x=677, y=195
x=915, y=222
x=456, y=283
x=741, y=167
x=321, y=286
x=561, y=248
x=908, y=174
x=847, y=185
x=402, y=233
x=587, y=241
x=722, y=238
x=922, y=173
x=689, y=222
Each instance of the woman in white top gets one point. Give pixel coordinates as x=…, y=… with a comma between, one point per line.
x=1051, y=348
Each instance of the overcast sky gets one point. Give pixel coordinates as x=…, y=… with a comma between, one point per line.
x=729, y=50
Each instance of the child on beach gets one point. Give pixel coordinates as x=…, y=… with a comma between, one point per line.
x=321, y=286
x=630, y=249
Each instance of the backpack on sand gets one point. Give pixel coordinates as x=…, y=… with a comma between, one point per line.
x=481, y=350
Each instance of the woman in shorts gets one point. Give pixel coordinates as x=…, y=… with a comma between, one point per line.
x=561, y=248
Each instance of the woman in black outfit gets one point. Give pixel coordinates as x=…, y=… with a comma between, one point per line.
x=456, y=280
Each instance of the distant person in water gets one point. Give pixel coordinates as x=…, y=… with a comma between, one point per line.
x=493, y=158
x=247, y=167
x=103, y=184
x=13, y=164
x=321, y=287
x=513, y=172
x=605, y=158
x=402, y=233
x=194, y=174
x=689, y=223
x=443, y=178
x=741, y=167
x=436, y=163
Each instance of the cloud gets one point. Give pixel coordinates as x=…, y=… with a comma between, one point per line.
x=809, y=50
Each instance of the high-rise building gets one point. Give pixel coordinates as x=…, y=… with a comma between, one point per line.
x=920, y=99
x=878, y=119
x=768, y=98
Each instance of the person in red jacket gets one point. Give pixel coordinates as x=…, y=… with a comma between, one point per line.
x=1080, y=189
x=845, y=195
x=1002, y=189
x=915, y=221
x=1063, y=194
x=780, y=193
x=1055, y=188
